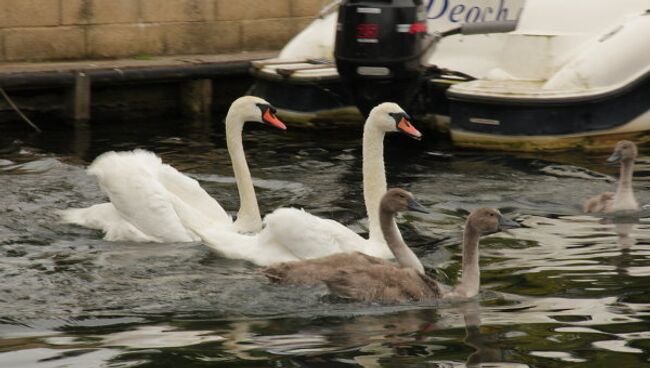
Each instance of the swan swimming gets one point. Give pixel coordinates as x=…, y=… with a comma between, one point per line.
x=623, y=199
x=292, y=234
x=289, y=233
x=361, y=277
x=146, y=196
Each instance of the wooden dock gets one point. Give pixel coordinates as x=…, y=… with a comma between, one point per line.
x=193, y=74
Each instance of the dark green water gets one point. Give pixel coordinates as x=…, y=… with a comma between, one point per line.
x=564, y=291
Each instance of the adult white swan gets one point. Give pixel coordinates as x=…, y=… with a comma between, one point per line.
x=292, y=234
x=147, y=197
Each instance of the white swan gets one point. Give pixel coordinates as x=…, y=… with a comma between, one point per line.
x=147, y=197
x=292, y=234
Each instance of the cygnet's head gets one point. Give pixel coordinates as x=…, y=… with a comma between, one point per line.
x=257, y=110
x=489, y=220
x=399, y=200
x=625, y=151
x=389, y=117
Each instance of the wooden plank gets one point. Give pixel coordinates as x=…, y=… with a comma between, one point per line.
x=79, y=99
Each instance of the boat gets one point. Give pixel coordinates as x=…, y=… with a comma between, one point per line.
x=565, y=75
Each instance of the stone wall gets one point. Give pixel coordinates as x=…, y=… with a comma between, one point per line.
x=40, y=30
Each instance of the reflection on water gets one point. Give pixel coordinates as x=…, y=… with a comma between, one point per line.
x=564, y=290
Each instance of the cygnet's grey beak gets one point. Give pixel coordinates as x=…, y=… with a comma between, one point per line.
x=615, y=157
x=506, y=223
x=412, y=205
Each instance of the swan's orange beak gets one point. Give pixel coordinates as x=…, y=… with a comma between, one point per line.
x=269, y=118
x=407, y=128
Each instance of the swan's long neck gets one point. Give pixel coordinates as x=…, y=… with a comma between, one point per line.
x=404, y=255
x=624, y=192
x=471, y=279
x=374, y=177
x=248, y=217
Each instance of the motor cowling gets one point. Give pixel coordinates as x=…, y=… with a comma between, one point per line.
x=378, y=50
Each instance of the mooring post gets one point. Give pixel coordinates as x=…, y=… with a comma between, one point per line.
x=78, y=99
x=196, y=98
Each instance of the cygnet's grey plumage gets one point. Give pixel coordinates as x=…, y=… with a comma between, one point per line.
x=361, y=277
x=319, y=269
x=623, y=199
x=383, y=283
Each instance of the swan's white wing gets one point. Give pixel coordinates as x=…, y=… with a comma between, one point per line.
x=105, y=217
x=185, y=188
x=189, y=191
x=145, y=199
x=308, y=236
x=139, y=197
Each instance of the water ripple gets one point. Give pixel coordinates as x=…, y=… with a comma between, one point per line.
x=564, y=290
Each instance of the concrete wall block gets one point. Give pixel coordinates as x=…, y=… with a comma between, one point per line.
x=44, y=43
x=177, y=10
x=252, y=9
x=2, y=45
x=124, y=40
x=307, y=8
x=77, y=29
x=29, y=13
x=267, y=34
x=99, y=11
x=200, y=38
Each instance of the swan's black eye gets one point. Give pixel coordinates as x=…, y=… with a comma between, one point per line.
x=398, y=116
x=264, y=107
x=491, y=215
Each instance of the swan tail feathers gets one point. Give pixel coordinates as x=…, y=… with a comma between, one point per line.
x=74, y=216
x=104, y=217
x=96, y=217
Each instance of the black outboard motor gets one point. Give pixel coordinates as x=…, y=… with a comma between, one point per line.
x=378, y=50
